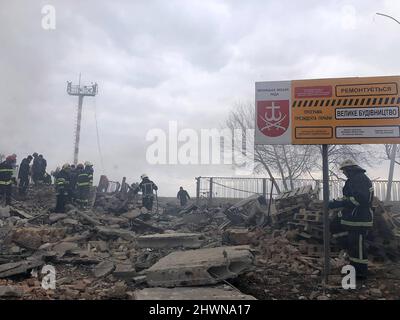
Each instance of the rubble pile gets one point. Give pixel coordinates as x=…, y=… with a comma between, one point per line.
x=114, y=250
x=119, y=250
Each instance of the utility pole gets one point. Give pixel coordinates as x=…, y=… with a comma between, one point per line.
x=394, y=146
x=80, y=91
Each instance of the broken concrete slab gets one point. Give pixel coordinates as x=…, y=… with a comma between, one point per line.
x=53, y=218
x=191, y=293
x=170, y=240
x=88, y=218
x=104, y=269
x=131, y=214
x=28, y=238
x=114, y=220
x=124, y=271
x=21, y=267
x=5, y=212
x=238, y=236
x=139, y=225
x=64, y=247
x=116, y=233
x=70, y=222
x=188, y=208
x=11, y=292
x=20, y=214
x=199, y=267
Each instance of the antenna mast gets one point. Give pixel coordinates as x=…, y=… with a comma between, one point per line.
x=80, y=91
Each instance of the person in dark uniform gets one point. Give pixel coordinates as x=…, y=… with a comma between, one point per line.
x=183, y=196
x=42, y=168
x=6, y=178
x=62, y=187
x=356, y=216
x=89, y=170
x=72, y=191
x=147, y=186
x=83, y=185
x=23, y=175
x=36, y=168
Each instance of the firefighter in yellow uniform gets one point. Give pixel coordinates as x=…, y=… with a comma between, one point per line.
x=356, y=215
x=6, y=178
x=83, y=186
x=62, y=181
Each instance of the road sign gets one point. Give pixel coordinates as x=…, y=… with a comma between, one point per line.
x=329, y=111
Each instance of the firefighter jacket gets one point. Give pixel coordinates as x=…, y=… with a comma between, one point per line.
x=62, y=182
x=6, y=173
x=83, y=178
x=147, y=186
x=357, y=199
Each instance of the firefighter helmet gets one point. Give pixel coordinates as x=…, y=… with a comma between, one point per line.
x=88, y=164
x=144, y=176
x=66, y=166
x=347, y=163
x=11, y=158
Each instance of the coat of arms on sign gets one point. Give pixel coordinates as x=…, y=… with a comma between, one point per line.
x=273, y=117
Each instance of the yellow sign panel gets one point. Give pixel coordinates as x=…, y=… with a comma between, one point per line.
x=345, y=111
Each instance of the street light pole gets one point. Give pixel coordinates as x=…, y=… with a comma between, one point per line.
x=394, y=146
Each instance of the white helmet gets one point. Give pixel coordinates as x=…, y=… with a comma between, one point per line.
x=144, y=176
x=347, y=163
x=88, y=164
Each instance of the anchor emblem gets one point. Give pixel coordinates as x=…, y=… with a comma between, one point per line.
x=273, y=117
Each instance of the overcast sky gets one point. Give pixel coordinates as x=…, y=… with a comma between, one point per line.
x=160, y=61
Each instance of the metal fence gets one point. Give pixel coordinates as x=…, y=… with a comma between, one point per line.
x=239, y=188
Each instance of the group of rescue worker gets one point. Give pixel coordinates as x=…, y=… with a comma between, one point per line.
x=73, y=185
x=37, y=172
x=8, y=177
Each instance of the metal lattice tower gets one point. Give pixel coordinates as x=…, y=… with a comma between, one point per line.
x=80, y=91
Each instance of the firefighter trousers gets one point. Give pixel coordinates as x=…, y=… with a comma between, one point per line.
x=5, y=191
x=357, y=251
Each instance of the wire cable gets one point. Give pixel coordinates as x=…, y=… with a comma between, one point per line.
x=98, y=136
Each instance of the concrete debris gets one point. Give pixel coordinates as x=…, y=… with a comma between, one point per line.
x=5, y=212
x=104, y=269
x=124, y=271
x=115, y=233
x=64, y=247
x=238, y=236
x=11, y=292
x=191, y=293
x=250, y=211
x=200, y=267
x=53, y=218
x=170, y=240
x=119, y=250
x=16, y=268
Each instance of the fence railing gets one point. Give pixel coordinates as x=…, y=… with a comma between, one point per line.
x=239, y=188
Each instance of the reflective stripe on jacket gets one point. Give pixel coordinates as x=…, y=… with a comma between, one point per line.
x=6, y=173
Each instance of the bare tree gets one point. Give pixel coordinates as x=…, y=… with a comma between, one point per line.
x=291, y=162
x=389, y=150
x=392, y=152
x=286, y=162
